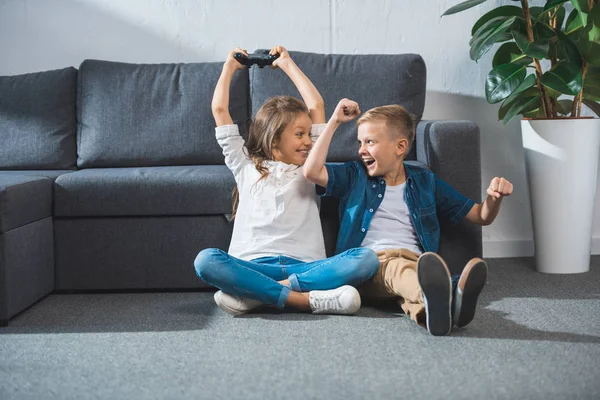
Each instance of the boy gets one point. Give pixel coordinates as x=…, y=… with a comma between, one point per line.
x=402, y=227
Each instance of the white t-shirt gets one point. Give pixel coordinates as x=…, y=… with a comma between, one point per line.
x=277, y=215
x=391, y=227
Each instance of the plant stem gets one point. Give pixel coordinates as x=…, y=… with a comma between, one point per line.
x=580, y=97
x=553, y=61
x=538, y=67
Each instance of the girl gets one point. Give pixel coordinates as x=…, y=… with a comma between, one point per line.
x=277, y=253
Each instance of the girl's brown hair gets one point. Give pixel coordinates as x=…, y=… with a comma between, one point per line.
x=265, y=132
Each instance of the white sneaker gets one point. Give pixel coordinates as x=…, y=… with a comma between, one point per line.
x=343, y=300
x=235, y=305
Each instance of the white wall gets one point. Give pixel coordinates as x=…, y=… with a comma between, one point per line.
x=38, y=35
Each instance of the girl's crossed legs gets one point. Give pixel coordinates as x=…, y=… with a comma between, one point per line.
x=282, y=280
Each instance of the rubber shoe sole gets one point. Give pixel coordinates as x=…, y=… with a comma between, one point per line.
x=471, y=283
x=434, y=279
x=234, y=305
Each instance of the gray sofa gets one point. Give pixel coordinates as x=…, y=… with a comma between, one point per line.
x=111, y=178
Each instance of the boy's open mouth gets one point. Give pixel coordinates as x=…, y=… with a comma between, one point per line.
x=368, y=162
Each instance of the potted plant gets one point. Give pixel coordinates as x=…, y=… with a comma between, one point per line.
x=546, y=68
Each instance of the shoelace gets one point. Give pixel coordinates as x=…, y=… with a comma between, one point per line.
x=327, y=301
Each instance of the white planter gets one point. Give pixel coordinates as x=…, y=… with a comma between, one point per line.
x=561, y=157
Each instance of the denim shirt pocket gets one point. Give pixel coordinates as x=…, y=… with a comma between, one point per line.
x=429, y=220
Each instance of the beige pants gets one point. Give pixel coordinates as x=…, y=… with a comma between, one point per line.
x=397, y=276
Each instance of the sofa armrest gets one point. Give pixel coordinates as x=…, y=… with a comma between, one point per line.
x=451, y=150
x=24, y=199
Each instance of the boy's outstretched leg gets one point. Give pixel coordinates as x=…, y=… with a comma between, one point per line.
x=469, y=286
x=434, y=279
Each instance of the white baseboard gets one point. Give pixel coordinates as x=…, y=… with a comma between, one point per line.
x=519, y=248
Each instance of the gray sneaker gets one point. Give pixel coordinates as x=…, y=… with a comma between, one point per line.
x=434, y=279
x=343, y=300
x=469, y=286
x=235, y=305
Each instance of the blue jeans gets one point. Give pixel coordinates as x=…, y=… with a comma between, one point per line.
x=258, y=279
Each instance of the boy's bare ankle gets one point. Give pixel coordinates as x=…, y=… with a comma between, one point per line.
x=285, y=282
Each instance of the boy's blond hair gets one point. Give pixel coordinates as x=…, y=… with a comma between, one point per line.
x=398, y=121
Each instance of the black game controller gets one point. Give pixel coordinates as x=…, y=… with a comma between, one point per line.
x=260, y=58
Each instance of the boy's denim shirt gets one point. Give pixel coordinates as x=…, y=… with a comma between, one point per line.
x=426, y=197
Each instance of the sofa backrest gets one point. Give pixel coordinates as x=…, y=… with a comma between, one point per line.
x=371, y=80
x=136, y=115
x=37, y=120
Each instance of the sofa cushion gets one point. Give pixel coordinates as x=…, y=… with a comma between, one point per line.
x=47, y=173
x=371, y=80
x=147, y=191
x=24, y=199
x=136, y=115
x=37, y=120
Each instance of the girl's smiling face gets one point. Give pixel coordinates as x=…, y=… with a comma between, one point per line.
x=295, y=142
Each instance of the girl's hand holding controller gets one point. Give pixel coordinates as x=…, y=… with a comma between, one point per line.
x=284, y=56
x=232, y=62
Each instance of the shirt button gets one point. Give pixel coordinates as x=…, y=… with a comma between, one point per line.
x=363, y=229
x=374, y=185
x=370, y=209
x=383, y=182
x=379, y=195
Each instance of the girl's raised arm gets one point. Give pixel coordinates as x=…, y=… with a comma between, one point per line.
x=220, y=100
x=311, y=96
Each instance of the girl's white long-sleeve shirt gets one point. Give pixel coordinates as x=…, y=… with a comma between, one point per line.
x=277, y=215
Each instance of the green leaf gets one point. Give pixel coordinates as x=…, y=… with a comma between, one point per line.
x=502, y=81
x=537, y=49
x=581, y=5
x=591, y=93
x=560, y=17
x=574, y=22
x=553, y=3
x=594, y=106
x=589, y=41
x=486, y=36
x=564, y=78
x=525, y=89
x=520, y=106
x=528, y=84
x=564, y=106
x=510, y=53
x=552, y=93
x=489, y=25
x=537, y=113
x=541, y=30
x=504, y=37
x=463, y=6
x=537, y=13
x=591, y=86
x=503, y=11
x=567, y=50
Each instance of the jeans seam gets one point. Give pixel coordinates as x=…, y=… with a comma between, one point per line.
x=330, y=260
x=230, y=258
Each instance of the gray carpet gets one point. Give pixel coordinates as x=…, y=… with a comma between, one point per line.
x=534, y=337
